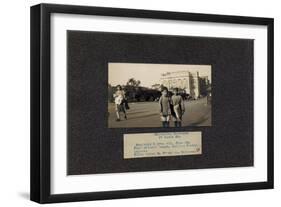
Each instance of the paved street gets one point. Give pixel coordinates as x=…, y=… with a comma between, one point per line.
x=146, y=114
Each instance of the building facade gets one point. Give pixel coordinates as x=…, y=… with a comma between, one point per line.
x=188, y=81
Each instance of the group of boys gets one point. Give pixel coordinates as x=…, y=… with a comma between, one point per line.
x=170, y=106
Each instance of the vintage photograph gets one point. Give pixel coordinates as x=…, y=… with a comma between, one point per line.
x=159, y=95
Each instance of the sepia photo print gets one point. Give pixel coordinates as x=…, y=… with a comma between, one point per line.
x=159, y=95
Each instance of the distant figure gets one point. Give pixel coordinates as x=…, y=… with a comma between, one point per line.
x=177, y=107
x=164, y=103
x=119, y=99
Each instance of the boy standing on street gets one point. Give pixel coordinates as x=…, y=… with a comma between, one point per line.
x=178, y=107
x=164, y=103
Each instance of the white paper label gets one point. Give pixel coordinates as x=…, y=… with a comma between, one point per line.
x=162, y=144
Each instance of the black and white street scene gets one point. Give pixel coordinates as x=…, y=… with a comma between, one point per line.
x=159, y=95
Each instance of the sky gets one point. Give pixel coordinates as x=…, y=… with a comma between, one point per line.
x=149, y=74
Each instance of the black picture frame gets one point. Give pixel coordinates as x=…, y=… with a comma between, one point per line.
x=40, y=102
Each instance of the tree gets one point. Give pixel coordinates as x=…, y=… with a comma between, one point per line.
x=133, y=82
